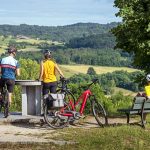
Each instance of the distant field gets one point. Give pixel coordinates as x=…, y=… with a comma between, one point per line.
x=75, y=69
x=4, y=42
x=37, y=41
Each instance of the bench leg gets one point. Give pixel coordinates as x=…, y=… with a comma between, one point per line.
x=142, y=120
x=128, y=118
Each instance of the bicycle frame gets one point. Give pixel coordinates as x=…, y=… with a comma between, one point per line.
x=84, y=96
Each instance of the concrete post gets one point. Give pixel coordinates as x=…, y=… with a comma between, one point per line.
x=31, y=96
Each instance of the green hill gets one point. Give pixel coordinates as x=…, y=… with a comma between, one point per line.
x=58, y=33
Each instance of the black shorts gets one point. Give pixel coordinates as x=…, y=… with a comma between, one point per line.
x=10, y=84
x=49, y=87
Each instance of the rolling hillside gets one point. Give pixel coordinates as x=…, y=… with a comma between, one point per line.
x=75, y=69
x=59, y=33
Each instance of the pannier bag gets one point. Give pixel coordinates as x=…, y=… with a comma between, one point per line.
x=58, y=100
x=55, y=100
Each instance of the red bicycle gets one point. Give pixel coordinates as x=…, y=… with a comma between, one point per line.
x=60, y=117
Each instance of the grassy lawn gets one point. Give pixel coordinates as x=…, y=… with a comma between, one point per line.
x=108, y=138
x=99, y=69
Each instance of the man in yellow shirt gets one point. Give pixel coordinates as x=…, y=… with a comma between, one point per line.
x=48, y=69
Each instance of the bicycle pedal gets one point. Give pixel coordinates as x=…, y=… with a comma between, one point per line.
x=82, y=116
x=71, y=119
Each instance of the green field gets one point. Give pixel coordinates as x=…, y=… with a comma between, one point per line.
x=76, y=69
x=4, y=42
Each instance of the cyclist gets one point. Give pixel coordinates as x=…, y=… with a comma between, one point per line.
x=9, y=69
x=47, y=73
x=147, y=93
x=147, y=87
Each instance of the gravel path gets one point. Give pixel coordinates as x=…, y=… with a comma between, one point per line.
x=25, y=132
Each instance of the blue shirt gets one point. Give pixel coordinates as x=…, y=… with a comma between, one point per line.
x=8, y=67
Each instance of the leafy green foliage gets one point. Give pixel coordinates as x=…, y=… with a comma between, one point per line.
x=133, y=34
x=117, y=101
x=91, y=71
x=108, y=81
x=29, y=71
x=105, y=40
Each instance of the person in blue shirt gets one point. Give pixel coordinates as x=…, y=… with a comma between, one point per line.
x=9, y=69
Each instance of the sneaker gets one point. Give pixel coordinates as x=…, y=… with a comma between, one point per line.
x=6, y=115
x=144, y=122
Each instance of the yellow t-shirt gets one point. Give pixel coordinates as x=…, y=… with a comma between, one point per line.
x=49, y=71
x=147, y=90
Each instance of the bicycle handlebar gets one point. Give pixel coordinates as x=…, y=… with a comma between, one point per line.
x=62, y=83
x=89, y=85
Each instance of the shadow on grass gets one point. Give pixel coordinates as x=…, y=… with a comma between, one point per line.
x=33, y=125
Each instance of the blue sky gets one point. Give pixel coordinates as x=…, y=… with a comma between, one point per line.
x=57, y=12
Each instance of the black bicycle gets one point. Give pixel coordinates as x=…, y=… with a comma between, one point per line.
x=4, y=104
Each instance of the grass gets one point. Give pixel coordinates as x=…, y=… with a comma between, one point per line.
x=108, y=138
x=37, y=41
x=99, y=69
x=111, y=138
x=124, y=91
x=67, y=72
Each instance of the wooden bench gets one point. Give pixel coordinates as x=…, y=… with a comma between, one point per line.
x=140, y=107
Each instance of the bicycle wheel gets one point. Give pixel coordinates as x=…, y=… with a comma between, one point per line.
x=99, y=113
x=53, y=117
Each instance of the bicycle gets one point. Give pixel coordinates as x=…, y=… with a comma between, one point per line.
x=4, y=104
x=60, y=117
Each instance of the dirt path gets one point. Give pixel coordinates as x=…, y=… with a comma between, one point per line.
x=11, y=133
x=28, y=133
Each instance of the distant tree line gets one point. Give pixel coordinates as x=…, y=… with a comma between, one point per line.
x=105, y=40
x=101, y=57
x=59, y=33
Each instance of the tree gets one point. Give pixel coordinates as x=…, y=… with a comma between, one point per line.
x=91, y=71
x=133, y=34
